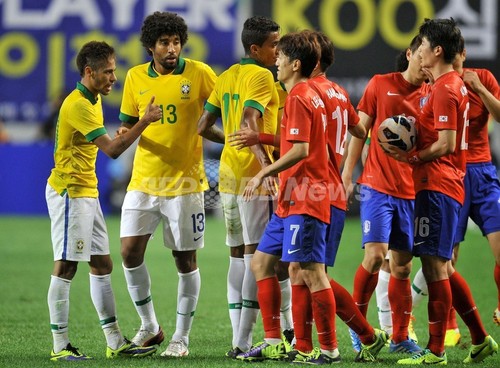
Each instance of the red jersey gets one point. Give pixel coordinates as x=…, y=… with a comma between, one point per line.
x=340, y=115
x=446, y=107
x=478, y=150
x=385, y=96
x=304, y=186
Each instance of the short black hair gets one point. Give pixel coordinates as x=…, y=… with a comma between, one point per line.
x=94, y=54
x=299, y=46
x=401, y=60
x=326, y=48
x=444, y=33
x=256, y=30
x=162, y=23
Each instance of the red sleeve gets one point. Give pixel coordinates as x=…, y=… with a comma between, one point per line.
x=299, y=122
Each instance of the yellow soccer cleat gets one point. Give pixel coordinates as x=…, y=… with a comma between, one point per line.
x=452, y=337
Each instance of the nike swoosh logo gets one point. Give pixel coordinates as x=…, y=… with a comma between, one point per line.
x=389, y=93
x=293, y=251
x=419, y=243
x=197, y=238
x=144, y=91
x=472, y=355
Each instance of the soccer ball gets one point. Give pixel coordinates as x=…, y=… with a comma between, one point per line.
x=397, y=131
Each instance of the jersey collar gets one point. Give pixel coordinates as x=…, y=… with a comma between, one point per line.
x=88, y=95
x=246, y=61
x=178, y=70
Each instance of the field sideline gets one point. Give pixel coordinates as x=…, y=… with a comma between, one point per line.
x=26, y=265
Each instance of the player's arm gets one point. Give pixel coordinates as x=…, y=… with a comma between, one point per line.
x=444, y=145
x=298, y=152
x=249, y=121
x=248, y=137
x=354, y=150
x=114, y=147
x=490, y=101
x=207, y=128
x=358, y=131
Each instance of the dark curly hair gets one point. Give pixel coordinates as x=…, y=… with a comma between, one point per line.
x=94, y=54
x=160, y=24
x=256, y=30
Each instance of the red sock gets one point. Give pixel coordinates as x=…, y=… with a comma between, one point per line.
x=269, y=296
x=302, y=317
x=496, y=274
x=364, y=286
x=452, y=318
x=438, y=308
x=466, y=307
x=400, y=299
x=323, y=306
x=350, y=314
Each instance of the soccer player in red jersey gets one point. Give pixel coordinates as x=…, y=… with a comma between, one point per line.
x=439, y=168
x=296, y=232
x=387, y=199
x=482, y=188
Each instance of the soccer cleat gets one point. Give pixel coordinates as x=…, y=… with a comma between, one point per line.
x=130, y=350
x=452, y=337
x=297, y=356
x=69, y=353
x=316, y=357
x=289, y=335
x=264, y=350
x=496, y=317
x=356, y=342
x=479, y=352
x=411, y=330
x=368, y=353
x=176, y=349
x=148, y=338
x=425, y=357
x=404, y=347
x=234, y=352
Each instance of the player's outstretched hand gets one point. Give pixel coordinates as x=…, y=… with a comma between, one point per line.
x=153, y=112
x=251, y=187
x=243, y=138
x=270, y=183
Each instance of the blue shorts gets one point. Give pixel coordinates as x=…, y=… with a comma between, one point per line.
x=386, y=219
x=296, y=238
x=333, y=234
x=436, y=219
x=482, y=200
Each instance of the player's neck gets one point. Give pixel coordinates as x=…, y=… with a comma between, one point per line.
x=295, y=79
x=440, y=69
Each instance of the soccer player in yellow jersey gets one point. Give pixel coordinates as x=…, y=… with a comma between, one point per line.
x=168, y=178
x=245, y=96
x=77, y=223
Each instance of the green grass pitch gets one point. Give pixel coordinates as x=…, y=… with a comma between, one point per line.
x=26, y=264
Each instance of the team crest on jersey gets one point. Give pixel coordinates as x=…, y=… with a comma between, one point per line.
x=185, y=89
x=79, y=245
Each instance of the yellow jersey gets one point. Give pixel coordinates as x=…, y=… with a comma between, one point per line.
x=169, y=157
x=246, y=84
x=80, y=122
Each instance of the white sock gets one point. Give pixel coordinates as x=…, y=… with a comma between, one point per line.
x=235, y=276
x=286, y=305
x=250, y=308
x=58, y=301
x=139, y=288
x=419, y=288
x=383, y=305
x=103, y=298
x=188, y=292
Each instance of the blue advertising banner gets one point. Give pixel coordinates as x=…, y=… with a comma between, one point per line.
x=39, y=40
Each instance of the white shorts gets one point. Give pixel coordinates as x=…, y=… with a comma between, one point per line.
x=78, y=229
x=183, y=218
x=246, y=221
